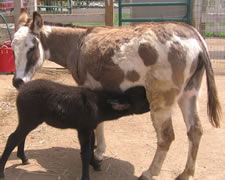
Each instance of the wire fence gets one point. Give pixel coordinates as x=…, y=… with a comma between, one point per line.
x=6, y=30
x=211, y=24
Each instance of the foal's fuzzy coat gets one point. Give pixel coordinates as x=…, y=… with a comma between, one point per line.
x=63, y=107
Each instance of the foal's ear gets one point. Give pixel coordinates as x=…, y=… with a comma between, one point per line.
x=23, y=18
x=116, y=105
x=37, y=23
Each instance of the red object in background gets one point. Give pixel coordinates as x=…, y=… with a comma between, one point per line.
x=7, y=62
x=8, y=5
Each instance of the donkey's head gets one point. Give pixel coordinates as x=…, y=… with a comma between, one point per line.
x=28, y=51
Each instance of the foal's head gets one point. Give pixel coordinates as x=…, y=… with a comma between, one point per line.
x=28, y=51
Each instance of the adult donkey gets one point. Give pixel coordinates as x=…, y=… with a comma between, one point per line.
x=168, y=59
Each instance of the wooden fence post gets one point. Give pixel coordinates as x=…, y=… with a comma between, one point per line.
x=109, y=12
x=17, y=6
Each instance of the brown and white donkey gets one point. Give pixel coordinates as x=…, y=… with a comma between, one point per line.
x=168, y=59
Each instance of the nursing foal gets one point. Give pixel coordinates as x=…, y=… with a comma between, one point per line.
x=64, y=107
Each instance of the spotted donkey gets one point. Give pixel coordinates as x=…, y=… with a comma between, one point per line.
x=167, y=58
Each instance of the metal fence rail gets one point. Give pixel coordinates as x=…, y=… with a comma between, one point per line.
x=186, y=18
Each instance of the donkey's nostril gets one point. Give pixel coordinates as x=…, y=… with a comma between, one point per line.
x=17, y=82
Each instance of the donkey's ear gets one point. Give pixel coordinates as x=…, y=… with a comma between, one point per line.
x=23, y=18
x=37, y=23
x=118, y=106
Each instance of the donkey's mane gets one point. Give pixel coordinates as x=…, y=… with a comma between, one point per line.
x=64, y=25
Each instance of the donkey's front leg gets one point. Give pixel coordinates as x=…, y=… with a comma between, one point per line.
x=86, y=155
x=99, y=133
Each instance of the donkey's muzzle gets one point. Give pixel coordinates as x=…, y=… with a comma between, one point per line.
x=17, y=82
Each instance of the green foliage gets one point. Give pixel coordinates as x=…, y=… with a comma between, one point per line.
x=212, y=34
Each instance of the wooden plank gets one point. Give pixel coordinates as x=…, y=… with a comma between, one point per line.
x=109, y=12
x=59, y=18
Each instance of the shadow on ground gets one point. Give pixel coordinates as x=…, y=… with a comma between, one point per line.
x=59, y=163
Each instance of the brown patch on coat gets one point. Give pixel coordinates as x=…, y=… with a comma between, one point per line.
x=132, y=76
x=167, y=135
x=101, y=67
x=177, y=59
x=169, y=96
x=63, y=44
x=32, y=55
x=148, y=54
x=196, y=78
x=194, y=65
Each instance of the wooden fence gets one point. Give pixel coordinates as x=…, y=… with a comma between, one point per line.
x=87, y=15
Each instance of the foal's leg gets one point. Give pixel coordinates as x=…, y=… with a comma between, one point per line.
x=161, y=98
x=14, y=139
x=94, y=162
x=86, y=154
x=21, y=154
x=100, y=142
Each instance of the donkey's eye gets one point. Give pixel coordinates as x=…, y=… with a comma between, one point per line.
x=26, y=44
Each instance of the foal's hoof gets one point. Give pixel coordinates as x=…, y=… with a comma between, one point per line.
x=96, y=165
x=25, y=161
x=142, y=178
x=85, y=178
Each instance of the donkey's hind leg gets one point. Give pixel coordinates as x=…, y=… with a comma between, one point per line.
x=188, y=107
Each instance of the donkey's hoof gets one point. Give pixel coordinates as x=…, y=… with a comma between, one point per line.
x=182, y=177
x=145, y=176
x=98, y=156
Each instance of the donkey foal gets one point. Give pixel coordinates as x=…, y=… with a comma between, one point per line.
x=63, y=107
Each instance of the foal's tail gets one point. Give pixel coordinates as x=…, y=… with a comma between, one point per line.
x=213, y=106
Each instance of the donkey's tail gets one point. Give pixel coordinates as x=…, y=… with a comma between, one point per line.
x=213, y=106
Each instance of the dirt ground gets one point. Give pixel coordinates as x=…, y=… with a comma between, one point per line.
x=54, y=154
